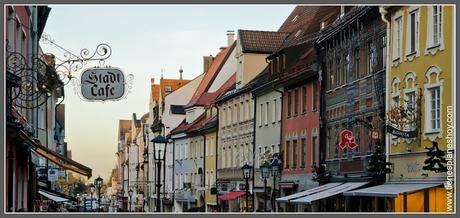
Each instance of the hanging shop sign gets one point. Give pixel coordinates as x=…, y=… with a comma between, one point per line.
x=399, y=117
x=400, y=133
x=102, y=84
x=347, y=140
x=375, y=134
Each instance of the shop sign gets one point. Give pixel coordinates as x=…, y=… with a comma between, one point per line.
x=400, y=133
x=375, y=134
x=347, y=139
x=102, y=84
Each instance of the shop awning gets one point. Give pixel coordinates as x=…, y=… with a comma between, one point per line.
x=52, y=196
x=391, y=190
x=61, y=160
x=308, y=192
x=231, y=195
x=330, y=192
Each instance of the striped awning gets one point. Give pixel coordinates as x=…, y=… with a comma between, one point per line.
x=307, y=192
x=330, y=192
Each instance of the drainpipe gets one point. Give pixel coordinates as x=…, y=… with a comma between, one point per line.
x=173, y=174
x=253, y=148
x=383, y=11
x=203, y=181
x=216, y=153
x=279, y=152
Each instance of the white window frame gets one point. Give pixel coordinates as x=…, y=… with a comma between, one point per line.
x=430, y=133
x=397, y=32
x=432, y=47
x=409, y=53
x=408, y=90
x=267, y=111
x=395, y=93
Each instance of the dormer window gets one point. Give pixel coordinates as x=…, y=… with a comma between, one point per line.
x=298, y=33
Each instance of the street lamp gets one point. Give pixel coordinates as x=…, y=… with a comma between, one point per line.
x=92, y=191
x=246, y=175
x=159, y=153
x=276, y=171
x=98, y=181
x=130, y=193
x=265, y=171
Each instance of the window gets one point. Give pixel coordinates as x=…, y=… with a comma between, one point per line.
x=330, y=74
x=248, y=109
x=223, y=157
x=435, y=108
x=384, y=51
x=411, y=104
x=303, y=152
x=414, y=26
x=398, y=35
x=313, y=150
x=235, y=114
x=294, y=153
x=304, y=99
x=274, y=110
x=315, y=96
x=242, y=118
x=168, y=89
x=356, y=64
x=287, y=151
x=267, y=112
x=229, y=116
x=338, y=72
x=261, y=110
x=437, y=24
x=223, y=117
x=289, y=106
x=296, y=102
x=371, y=57
x=346, y=68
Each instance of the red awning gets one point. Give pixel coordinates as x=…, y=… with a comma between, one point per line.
x=231, y=195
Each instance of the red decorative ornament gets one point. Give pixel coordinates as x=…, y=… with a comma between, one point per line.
x=347, y=139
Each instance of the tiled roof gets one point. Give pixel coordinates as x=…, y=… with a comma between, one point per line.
x=307, y=25
x=261, y=78
x=210, y=75
x=261, y=41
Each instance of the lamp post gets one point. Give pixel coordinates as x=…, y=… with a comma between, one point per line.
x=159, y=153
x=98, y=182
x=265, y=170
x=130, y=193
x=276, y=168
x=246, y=175
x=91, y=187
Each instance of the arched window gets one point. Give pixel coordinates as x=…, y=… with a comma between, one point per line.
x=433, y=102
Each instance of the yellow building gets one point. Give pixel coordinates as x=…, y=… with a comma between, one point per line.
x=420, y=81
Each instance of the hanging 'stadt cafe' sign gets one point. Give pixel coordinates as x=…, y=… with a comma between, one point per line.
x=102, y=84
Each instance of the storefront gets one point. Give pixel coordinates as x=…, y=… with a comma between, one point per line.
x=327, y=197
x=233, y=201
x=406, y=197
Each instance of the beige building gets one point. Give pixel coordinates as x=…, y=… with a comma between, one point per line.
x=236, y=116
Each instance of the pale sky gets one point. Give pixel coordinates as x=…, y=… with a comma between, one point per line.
x=144, y=39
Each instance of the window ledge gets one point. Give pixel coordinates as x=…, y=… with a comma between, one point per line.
x=433, y=132
x=413, y=53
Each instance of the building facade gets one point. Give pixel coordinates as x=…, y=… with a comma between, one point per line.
x=420, y=80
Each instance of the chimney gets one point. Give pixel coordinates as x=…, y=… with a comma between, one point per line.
x=230, y=37
x=207, y=61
